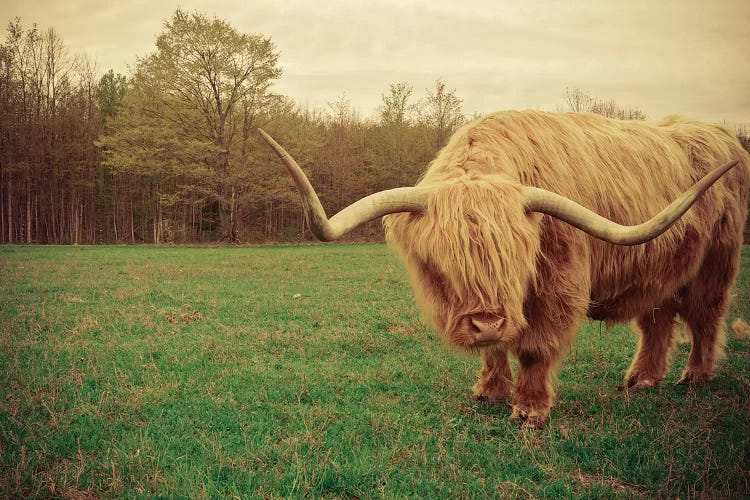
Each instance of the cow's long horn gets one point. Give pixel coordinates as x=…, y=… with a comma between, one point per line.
x=540, y=200
x=405, y=199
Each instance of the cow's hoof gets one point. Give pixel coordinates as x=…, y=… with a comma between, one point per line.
x=498, y=398
x=693, y=378
x=634, y=384
x=529, y=419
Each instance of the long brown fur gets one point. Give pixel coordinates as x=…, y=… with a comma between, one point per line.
x=476, y=251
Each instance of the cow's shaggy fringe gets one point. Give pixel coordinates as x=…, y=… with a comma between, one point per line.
x=459, y=253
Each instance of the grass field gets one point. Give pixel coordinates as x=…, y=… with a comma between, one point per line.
x=306, y=371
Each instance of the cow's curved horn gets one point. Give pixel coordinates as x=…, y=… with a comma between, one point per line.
x=540, y=200
x=405, y=199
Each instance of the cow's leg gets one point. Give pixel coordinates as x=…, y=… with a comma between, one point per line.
x=652, y=357
x=532, y=398
x=704, y=306
x=553, y=314
x=496, y=379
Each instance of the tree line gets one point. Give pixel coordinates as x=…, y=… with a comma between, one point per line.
x=170, y=153
x=50, y=172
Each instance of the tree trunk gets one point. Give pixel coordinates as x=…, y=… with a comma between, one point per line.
x=52, y=217
x=156, y=222
x=132, y=223
x=36, y=218
x=234, y=234
x=28, y=211
x=200, y=224
x=73, y=225
x=2, y=209
x=161, y=218
x=10, y=211
x=114, y=216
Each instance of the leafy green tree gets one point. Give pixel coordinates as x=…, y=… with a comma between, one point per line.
x=172, y=165
x=110, y=92
x=200, y=87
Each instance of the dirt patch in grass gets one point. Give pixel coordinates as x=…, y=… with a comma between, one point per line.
x=408, y=330
x=586, y=480
x=741, y=329
x=186, y=318
x=74, y=494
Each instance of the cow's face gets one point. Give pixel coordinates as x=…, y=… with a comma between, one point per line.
x=471, y=257
x=461, y=317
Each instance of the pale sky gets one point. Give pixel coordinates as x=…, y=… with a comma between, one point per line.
x=662, y=56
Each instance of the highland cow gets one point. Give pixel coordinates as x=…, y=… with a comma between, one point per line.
x=526, y=223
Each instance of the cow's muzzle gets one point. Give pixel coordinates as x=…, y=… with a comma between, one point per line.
x=475, y=331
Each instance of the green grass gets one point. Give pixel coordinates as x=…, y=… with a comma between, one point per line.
x=306, y=371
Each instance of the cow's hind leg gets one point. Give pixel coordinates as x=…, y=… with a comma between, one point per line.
x=496, y=379
x=652, y=357
x=704, y=304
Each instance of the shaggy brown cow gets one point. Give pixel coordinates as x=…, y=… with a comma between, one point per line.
x=494, y=274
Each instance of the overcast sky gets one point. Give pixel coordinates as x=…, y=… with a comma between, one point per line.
x=663, y=56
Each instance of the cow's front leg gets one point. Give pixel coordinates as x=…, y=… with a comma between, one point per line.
x=532, y=398
x=496, y=379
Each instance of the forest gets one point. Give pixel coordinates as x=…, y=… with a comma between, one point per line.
x=169, y=153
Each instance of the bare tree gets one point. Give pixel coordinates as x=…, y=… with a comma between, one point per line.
x=578, y=101
x=441, y=110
